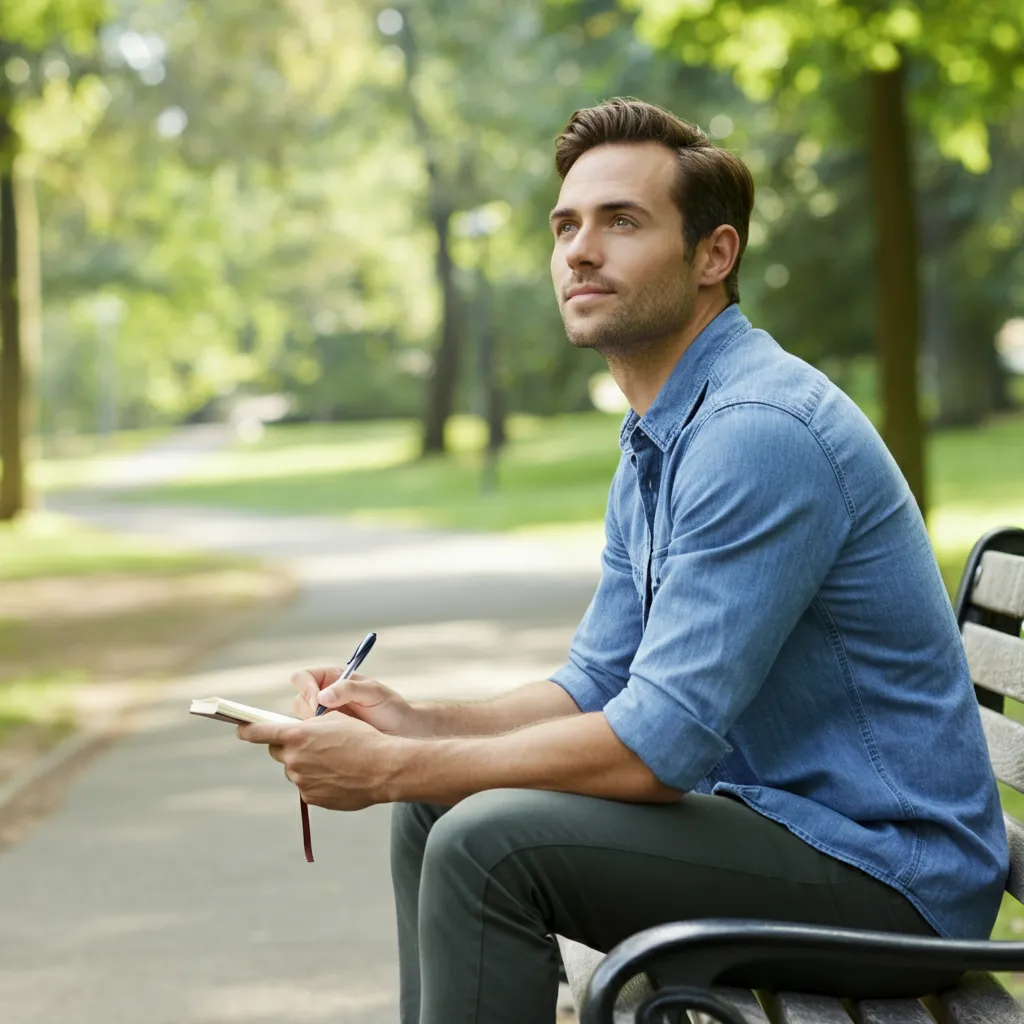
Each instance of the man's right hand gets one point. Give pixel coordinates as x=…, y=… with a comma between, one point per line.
x=360, y=697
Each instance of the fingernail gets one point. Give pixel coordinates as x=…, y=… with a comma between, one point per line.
x=326, y=692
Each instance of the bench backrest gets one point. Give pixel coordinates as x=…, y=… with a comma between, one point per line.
x=990, y=610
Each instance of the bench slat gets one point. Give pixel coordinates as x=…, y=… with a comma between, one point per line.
x=1015, y=840
x=1005, y=740
x=893, y=1011
x=996, y=659
x=1000, y=586
x=980, y=999
x=794, y=1008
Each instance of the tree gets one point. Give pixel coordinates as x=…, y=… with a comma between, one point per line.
x=960, y=62
x=24, y=31
x=12, y=391
x=486, y=85
x=240, y=207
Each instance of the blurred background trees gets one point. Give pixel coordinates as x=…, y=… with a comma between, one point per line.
x=345, y=202
x=25, y=31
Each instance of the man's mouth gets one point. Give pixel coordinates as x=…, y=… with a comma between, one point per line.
x=585, y=292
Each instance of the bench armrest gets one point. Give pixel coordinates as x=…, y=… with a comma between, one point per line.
x=695, y=955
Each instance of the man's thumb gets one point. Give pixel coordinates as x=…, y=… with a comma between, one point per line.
x=331, y=695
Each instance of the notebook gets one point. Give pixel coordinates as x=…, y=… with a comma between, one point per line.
x=225, y=710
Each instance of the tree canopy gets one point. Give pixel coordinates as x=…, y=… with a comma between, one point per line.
x=237, y=200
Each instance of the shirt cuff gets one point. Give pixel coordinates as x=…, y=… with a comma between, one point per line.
x=587, y=694
x=677, y=748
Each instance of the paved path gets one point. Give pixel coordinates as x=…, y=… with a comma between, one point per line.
x=170, y=886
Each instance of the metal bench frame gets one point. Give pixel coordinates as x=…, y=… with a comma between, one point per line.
x=989, y=609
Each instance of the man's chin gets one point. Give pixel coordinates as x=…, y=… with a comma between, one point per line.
x=584, y=337
x=578, y=340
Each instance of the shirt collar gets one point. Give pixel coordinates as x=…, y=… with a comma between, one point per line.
x=675, y=401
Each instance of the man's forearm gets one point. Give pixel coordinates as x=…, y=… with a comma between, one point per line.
x=578, y=754
x=526, y=705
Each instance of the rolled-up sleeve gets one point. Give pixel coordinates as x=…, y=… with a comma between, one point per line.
x=609, y=633
x=759, y=517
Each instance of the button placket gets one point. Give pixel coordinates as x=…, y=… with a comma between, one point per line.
x=647, y=466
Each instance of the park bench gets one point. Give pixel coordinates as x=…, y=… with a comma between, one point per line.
x=661, y=973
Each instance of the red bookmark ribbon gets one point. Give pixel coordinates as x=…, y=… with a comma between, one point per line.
x=307, y=841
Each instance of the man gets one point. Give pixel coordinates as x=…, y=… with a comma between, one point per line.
x=766, y=711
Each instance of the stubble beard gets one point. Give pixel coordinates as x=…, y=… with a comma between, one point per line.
x=631, y=327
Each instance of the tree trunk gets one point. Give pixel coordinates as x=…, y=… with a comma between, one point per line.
x=441, y=385
x=896, y=268
x=12, y=482
x=951, y=345
x=492, y=391
x=30, y=307
x=1000, y=396
x=964, y=385
x=441, y=393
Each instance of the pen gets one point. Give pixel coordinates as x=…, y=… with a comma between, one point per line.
x=364, y=648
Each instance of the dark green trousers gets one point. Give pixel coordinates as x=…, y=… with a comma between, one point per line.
x=481, y=888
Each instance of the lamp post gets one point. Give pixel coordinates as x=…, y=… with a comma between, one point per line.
x=480, y=225
x=107, y=312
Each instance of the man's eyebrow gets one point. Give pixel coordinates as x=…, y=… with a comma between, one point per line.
x=612, y=206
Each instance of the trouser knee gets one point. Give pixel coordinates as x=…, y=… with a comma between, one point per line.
x=479, y=833
x=411, y=824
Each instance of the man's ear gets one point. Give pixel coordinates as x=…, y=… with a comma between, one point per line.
x=721, y=250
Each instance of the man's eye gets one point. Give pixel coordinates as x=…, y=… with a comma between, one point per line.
x=563, y=227
x=620, y=221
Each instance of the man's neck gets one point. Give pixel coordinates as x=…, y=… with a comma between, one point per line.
x=641, y=374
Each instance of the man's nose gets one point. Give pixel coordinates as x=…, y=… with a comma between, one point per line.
x=584, y=250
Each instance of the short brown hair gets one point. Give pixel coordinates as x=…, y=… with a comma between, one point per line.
x=714, y=186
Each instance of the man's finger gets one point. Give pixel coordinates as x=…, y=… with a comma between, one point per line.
x=305, y=682
x=261, y=732
x=356, y=690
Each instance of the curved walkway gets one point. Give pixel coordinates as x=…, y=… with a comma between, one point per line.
x=170, y=886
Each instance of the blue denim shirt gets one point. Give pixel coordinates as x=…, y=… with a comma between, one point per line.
x=771, y=623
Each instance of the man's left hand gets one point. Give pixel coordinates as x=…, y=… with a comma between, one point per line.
x=335, y=760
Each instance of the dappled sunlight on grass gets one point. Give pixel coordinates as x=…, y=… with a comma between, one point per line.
x=83, y=459
x=552, y=473
x=45, y=544
x=976, y=484
x=48, y=699
x=281, y=462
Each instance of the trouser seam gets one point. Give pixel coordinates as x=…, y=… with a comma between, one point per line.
x=675, y=860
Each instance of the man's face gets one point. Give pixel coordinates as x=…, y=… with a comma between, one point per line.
x=619, y=266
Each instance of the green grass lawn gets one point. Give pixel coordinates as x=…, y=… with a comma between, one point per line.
x=553, y=473
x=46, y=545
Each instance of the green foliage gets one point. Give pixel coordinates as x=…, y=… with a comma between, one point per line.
x=806, y=60
x=35, y=24
x=238, y=201
x=968, y=57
